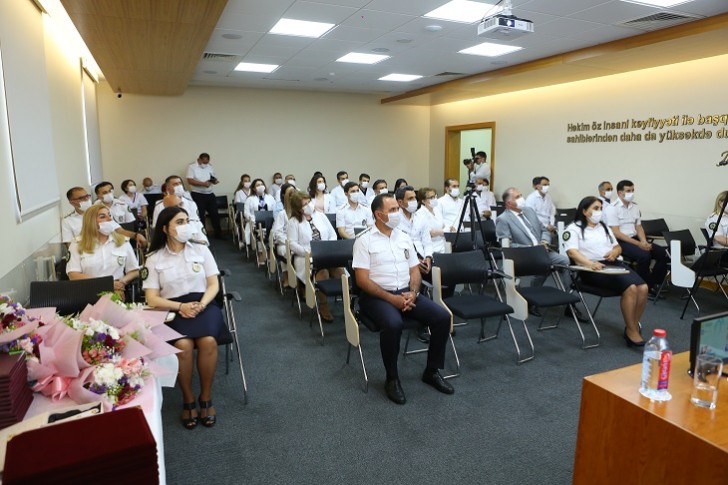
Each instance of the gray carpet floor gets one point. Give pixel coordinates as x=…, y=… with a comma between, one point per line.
x=308, y=421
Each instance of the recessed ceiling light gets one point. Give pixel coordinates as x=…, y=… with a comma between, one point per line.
x=357, y=58
x=658, y=3
x=489, y=49
x=232, y=36
x=252, y=67
x=300, y=28
x=433, y=28
x=403, y=78
x=380, y=49
x=463, y=11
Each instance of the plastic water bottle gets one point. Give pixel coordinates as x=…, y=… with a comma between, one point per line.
x=656, y=367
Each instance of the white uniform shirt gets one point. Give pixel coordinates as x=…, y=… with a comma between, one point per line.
x=300, y=235
x=327, y=206
x=187, y=204
x=543, y=206
x=450, y=209
x=350, y=218
x=153, y=189
x=71, y=226
x=722, y=229
x=107, y=259
x=241, y=196
x=178, y=274
x=274, y=191
x=626, y=217
x=339, y=196
x=252, y=204
x=280, y=223
x=483, y=201
x=433, y=221
x=134, y=202
x=120, y=212
x=388, y=258
x=595, y=244
x=202, y=173
x=418, y=230
x=481, y=171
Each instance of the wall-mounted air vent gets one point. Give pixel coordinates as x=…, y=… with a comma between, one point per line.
x=212, y=56
x=659, y=20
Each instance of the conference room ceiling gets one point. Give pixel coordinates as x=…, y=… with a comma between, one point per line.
x=561, y=49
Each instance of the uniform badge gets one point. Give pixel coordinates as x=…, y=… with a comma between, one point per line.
x=406, y=254
x=196, y=267
x=567, y=235
x=363, y=223
x=144, y=273
x=121, y=260
x=712, y=226
x=67, y=257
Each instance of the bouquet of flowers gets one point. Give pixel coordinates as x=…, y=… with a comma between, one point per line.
x=101, y=342
x=17, y=329
x=118, y=381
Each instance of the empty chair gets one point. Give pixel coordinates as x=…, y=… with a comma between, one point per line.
x=331, y=256
x=69, y=297
x=654, y=228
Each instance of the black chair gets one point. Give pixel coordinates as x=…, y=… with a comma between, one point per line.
x=225, y=299
x=263, y=225
x=152, y=199
x=222, y=209
x=565, y=215
x=654, y=228
x=69, y=297
x=332, y=219
x=471, y=268
x=534, y=261
x=239, y=227
x=465, y=241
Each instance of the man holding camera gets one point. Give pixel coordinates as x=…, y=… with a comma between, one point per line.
x=201, y=177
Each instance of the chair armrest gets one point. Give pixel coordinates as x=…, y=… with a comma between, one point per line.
x=235, y=295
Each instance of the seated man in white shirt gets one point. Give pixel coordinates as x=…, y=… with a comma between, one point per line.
x=451, y=205
x=71, y=223
x=540, y=201
x=415, y=227
x=378, y=187
x=353, y=214
x=605, y=192
x=120, y=212
x=150, y=187
x=364, y=188
x=484, y=199
x=342, y=178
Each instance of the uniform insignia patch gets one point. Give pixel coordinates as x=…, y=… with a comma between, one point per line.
x=406, y=253
x=144, y=273
x=712, y=226
x=196, y=267
x=121, y=260
x=567, y=235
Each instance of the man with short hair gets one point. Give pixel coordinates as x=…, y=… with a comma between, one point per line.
x=540, y=201
x=342, y=177
x=71, y=223
x=625, y=219
x=150, y=187
x=364, y=188
x=451, y=205
x=352, y=215
x=414, y=226
x=481, y=167
x=120, y=211
x=605, y=192
x=201, y=177
x=274, y=188
x=290, y=179
x=390, y=290
x=174, y=186
x=378, y=187
x=484, y=199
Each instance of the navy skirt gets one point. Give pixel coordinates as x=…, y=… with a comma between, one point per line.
x=209, y=323
x=616, y=282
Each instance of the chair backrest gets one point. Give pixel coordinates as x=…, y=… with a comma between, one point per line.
x=680, y=275
x=272, y=262
x=292, y=279
x=462, y=268
x=513, y=297
x=706, y=235
x=331, y=216
x=129, y=226
x=654, y=227
x=308, y=282
x=565, y=215
x=152, y=200
x=464, y=240
x=529, y=261
x=239, y=207
x=687, y=242
x=499, y=209
x=70, y=296
x=487, y=227
x=265, y=219
x=350, y=322
x=221, y=201
x=331, y=254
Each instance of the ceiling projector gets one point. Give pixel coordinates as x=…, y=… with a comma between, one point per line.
x=504, y=27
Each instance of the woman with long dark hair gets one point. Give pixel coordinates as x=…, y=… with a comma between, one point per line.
x=320, y=199
x=180, y=276
x=589, y=242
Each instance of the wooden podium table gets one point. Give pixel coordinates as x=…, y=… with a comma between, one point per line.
x=625, y=438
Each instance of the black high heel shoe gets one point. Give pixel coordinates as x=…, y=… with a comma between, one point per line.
x=208, y=421
x=191, y=422
x=632, y=343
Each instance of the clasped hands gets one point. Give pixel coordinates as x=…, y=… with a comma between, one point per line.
x=191, y=309
x=405, y=301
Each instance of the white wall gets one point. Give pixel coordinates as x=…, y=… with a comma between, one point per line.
x=261, y=132
x=677, y=180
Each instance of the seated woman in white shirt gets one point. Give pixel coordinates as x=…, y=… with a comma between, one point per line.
x=429, y=210
x=99, y=251
x=589, y=242
x=720, y=241
x=322, y=201
x=182, y=277
x=133, y=199
x=304, y=226
x=259, y=200
x=242, y=192
x=280, y=225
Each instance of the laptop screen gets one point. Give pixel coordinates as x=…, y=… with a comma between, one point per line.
x=709, y=334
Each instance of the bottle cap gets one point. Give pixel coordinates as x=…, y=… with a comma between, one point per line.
x=658, y=332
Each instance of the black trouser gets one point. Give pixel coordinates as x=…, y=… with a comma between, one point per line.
x=643, y=259
x=391, y=322
x=207, y=203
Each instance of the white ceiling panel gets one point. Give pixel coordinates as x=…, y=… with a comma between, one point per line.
x=409, y=7
x=373, y=19
x=562, y=8
x=221, y=45
x=353, y=34
x=567, y=27
x=614, y=12
x=319, y=12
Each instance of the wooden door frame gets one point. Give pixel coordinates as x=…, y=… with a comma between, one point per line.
x=452, y=148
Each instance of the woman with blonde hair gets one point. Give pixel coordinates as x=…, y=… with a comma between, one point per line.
x=99, y=251
x=720, y=241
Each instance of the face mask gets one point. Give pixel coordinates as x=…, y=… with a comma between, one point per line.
x=384, y=190
x=412, y=206
x=393, y=220
x=107, y=227
x=108, y=198
x=628, y=196
x=260, y=190
x=184, y=233
x=354, y=196
x=307, y=210
x=321, y=186
x=84, y=204
x=364, y=185
x=545, y=189
x=179, y=190
x=455, y=192
x=433, y=203
x=278, y=181
x=246, y=185
x=131, y=189
x=344, y=182
x=520, y=203
x=608, y=194
x=596, y=217
x=485, y=188
x=479, y=187
x=292, y=182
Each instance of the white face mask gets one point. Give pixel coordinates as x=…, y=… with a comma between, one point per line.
x=628, y=196
x=184, y=233
x=545, y=189
x=108, y=197
x=307, y=210
x=292, y=182
x=412, y=206
x=596, y=217
x=384, y=190
x=354, y=196
x=179, y=190
x=278, y=181
x=131, y=189
x=321, y=186
x=107, y=227
x=364, y=185
x=246, y=185
x=454, y=192
x=344, y=182
x=433, y=203
x=520, y=203
x=393, y=220
x=84, y=204
x=480, y=187
x=608, y=194
x=260, y=190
